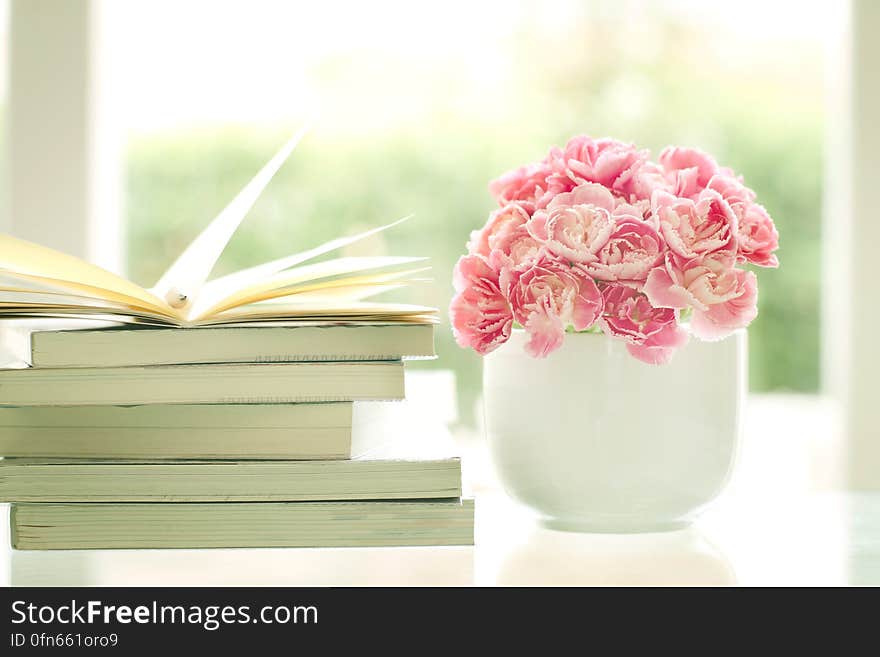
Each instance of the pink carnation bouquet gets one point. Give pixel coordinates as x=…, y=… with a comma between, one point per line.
x=598, y=237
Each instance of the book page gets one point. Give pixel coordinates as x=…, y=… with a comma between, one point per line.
x=182, y=282
x=50, y=286
x=9, y=311
x=222, y=288
x=29, y=261
x=338, y=290
x=36, y=280
x=328, y=311
x=340, y=294
x=318, y=275
x=69, y=318
x=20, y=284
x=10, y=298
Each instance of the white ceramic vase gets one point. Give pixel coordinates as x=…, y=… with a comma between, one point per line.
x=594, y=440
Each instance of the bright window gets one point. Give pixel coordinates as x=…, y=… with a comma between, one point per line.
x=4, y=72
x=419, y=107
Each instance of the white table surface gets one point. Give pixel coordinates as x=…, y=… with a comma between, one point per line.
x=782, y=521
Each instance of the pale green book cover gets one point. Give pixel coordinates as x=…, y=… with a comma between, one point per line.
x=184, y=431
x=369, y=478
x=242, y=524
x=275, y=383
x=268, y=343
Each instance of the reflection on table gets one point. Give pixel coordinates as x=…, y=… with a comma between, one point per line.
x=552, y=558
x=523, y=553
x=830, y=538
x=424, y=566
x=779, y=522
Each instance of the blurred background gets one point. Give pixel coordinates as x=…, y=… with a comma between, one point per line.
x=127, y=125
x=136, y=122
x=418, y=108
x=417, y=113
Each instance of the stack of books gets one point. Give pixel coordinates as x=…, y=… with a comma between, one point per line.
x=216, y=413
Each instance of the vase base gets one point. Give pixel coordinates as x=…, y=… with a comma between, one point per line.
x=611, y=527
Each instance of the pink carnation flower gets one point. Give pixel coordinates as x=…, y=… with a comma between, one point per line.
x=756, y=234
x=650, y=178
x=652, y=334
x=597, y=232
x=637, y=209
x=511, y=215
x=577, y=224
x=693, y=228
x=688, y=170
x=757, y=237
x=546, y=298
x=723, y=298
x=608, y=162
x=632, y=250
x=697, y=283
x=739, y=288
x=480, y=314
x=514, y=247
x=527, y=185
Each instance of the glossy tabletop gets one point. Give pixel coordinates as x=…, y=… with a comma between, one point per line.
x=783, y=521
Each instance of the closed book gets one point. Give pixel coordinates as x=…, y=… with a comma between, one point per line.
x=370, y=478
x=126, y=346
x=185, y=431
x=266, y=383
x=241, y=524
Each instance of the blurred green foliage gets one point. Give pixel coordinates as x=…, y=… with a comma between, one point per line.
x=439, y=169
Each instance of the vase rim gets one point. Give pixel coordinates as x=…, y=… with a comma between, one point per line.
x=521, y=331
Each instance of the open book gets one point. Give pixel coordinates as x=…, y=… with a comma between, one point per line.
x=36, y=281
